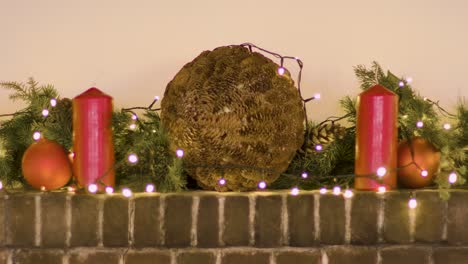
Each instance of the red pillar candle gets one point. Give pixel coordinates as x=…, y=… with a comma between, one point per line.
x=92, y=139
x=376, y=138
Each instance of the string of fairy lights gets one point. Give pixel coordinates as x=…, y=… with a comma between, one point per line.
x=347, y=193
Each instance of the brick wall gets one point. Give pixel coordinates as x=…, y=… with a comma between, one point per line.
x=218, y=228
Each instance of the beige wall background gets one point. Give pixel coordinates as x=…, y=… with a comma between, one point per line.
x=132, y=49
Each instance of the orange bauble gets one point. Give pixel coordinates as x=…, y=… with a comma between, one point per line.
x=46, y=166
x=425, y=155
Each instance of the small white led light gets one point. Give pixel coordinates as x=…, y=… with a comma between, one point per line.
x=381, y=171
x=126, y=192
x=109, y=190
x=92, y=188
x=323, y=190
x=419, y=124
x=262, y=185
x=381, y=189
x=424, y=173
x=132, y=126
x=318, y=147
x=295, y=191
x=134, y=117
x=149, y=188
x=337, y=190
x=133, y=158
x=179, y=153
x=401, y=84
x=53, y=102
x=222, y=181
x=447, y=126
x=304, y=175
x=348, y=194
x=452, y=178
x=281, y=70
x=45, y=112
x=37, y=135
x=412, y=203
x=317, y=96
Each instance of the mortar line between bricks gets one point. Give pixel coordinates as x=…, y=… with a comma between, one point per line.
x=68, y=220
x=218, y=256
x=272, y=257
x=324, y=256
x=252, y=205
x=284, y=220
x=411, y=222
x=221, y=202
x=380, y=218
x=445, y=219
x=193, y=229
x=38, y=220
x=317, y=217
x=173, y=257
x=100, y=220
x=131, y=221
x=347, y=211
x=7, y=221
x=162, y=204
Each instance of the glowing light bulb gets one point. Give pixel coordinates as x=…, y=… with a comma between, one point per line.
x=92, y=188
x=295, y=191
x=180, y=153
x=323, y=190
x=447, y=126
x=401, y=84
x=381, y=171
x=419, y=124
x=318, y=147
x=149, y=188
x=71, y=189
x=317, y=96
x=412, y=203
x=71, y=155
x=452, y=178
x=337, y=190
x=424, y=173
x=348, y=194
x=281, y=70
x=37, y=135
x=154, y=131
x=304, y=175
x=156, y=98
x=43, y=188
x=134, y=117
x=1, y=185
x=222, y=181
x=381, y=189
x=409, y=80
x=126, y=192
x=132, y=126
x=45, y=112
x=109, y=190
x=262, y=185
x=133, y=158
x=53, y=102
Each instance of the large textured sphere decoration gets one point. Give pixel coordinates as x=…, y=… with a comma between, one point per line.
x=425, y=155
x=235, y=117
x=45, y=165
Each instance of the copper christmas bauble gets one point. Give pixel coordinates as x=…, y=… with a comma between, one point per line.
x=413, y=167
x=46, y=165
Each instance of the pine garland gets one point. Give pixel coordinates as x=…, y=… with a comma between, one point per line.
x=148, y=140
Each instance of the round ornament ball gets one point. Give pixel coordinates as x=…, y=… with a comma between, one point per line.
x=235, y=116
x=46, y=165
x=427, y=158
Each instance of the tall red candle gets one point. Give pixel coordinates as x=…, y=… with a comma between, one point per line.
x=376, y=138
x=92, y=139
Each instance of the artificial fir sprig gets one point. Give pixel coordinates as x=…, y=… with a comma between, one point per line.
x=147, y=140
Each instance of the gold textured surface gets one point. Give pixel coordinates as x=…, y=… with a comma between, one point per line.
x=232, y=113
